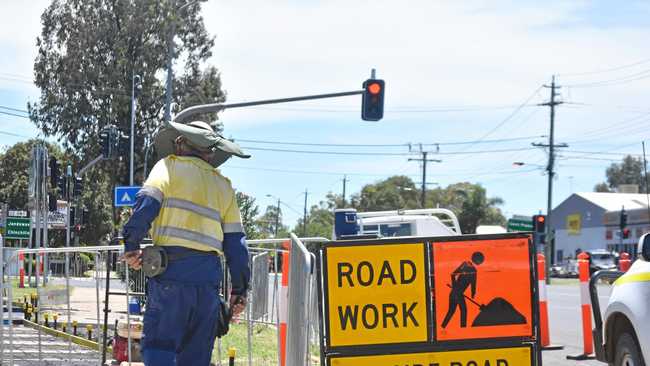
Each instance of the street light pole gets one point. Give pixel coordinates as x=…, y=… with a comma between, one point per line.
x=170, y=57
x=277, y=219
x=135, y=88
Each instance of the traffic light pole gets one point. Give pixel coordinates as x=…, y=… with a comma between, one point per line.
x=216, y=107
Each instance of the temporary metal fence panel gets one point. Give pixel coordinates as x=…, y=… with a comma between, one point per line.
x=260, y=289
x=298, y=314
x=85, y=273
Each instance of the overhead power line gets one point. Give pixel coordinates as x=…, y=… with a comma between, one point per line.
x=13, y=134
x=14, y=114
x=382, y=154
x=14, y=109
x=617, y=81
x=617, y=68
x=272, y=142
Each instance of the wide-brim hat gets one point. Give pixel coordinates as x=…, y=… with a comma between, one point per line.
x=199, y=134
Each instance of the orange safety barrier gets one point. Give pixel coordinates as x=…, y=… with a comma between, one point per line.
x=21, y=271
x=543, y=305
x=585, y=300
x=624, y=262
x=284, y=301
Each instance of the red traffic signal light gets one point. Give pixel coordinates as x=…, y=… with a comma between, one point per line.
x=374, y=88
x=372, y=104
x=626, y=233
x=539, y=223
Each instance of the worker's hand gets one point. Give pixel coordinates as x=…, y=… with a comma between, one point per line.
x=237, y=305
x=133, y=259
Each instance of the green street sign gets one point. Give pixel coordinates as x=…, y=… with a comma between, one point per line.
x=18, y=228
x=520, y=225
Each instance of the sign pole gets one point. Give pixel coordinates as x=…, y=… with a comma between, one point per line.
x=46, y=212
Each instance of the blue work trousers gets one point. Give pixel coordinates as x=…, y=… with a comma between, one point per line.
x=181, y=314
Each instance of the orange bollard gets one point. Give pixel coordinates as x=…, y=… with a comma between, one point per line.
x=585, y=300
x=21, y=271
x=284, y=302
x=543, y=306
x=624, y=262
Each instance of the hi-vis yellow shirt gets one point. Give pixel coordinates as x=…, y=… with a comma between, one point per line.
x=198, y=204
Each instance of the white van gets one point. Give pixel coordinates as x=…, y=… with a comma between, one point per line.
x=622, y=335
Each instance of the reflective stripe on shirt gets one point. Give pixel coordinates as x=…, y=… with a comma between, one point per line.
x=152, y=192
x=189, y=235
x=192, y=207
x=236, y=227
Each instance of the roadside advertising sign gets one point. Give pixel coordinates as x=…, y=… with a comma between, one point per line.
x=439, y=301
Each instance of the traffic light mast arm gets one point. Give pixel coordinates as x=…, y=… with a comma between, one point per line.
x=216, y=107
x=90, y=165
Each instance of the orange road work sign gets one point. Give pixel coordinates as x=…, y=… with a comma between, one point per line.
x=377, y=294
x=483, y=288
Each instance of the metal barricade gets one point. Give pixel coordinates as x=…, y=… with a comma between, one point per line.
x=87, y=293
x=298, y=319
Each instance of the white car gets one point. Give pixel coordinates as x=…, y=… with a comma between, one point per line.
x=622, y=335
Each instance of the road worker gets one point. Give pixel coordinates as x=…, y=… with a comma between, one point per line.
x=194, y=219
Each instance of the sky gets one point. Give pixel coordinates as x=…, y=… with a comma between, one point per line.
x=465, y=75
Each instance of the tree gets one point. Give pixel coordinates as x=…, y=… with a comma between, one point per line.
x=248, y=210
x=15, y=165
x=629, y=171
x=468, y=201
x=267, y=223
x=87, y=55
x=320, y=223
x=602, y=187
x=397, y=192
x=477, y=209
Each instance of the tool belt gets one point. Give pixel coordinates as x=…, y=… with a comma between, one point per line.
x=155, y=259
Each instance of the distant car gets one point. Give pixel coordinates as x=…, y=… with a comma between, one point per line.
x=602, y=259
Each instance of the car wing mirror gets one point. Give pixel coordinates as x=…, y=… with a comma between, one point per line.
x=644, y=247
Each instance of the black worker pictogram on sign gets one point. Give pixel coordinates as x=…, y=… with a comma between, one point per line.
x=482, y=289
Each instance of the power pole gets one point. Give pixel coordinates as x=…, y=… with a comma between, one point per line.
x=548, y=249
x=424, y=161
x=304, y=218
x=345, y=180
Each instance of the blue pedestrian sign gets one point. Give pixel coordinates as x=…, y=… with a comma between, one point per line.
x=125, y=196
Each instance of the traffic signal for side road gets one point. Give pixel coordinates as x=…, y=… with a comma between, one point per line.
x=625, y=233
x=539, y=224
x=372, y=104
x=623, y=222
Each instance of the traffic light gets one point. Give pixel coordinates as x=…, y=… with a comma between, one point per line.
x=372, y=104
x=71, y=219
x=539, y=224
x=55, y=172
x=78, y=186
x=123, y=145
x=623, y=222
x=625, y=233
x=104, y=137
x=51, y=202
